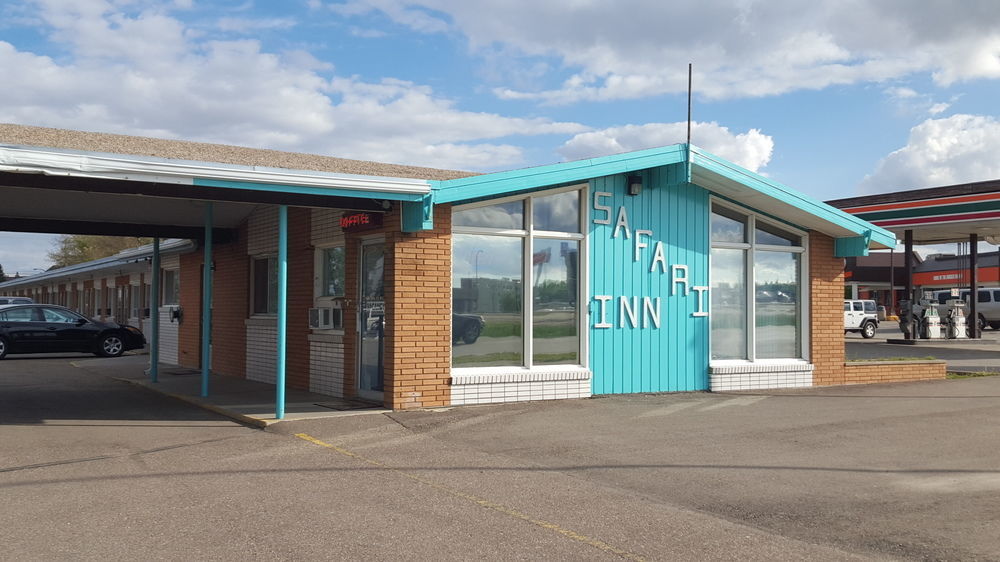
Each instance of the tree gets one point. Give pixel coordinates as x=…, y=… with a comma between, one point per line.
x=72, y=249
x=3, y=276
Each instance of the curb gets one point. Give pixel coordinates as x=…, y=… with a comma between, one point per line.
x=242, y=418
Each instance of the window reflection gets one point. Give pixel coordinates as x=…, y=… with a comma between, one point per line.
x=508, y=216
x=776, y=295
x=559, y=212
x=486, y=301
x=729, y=304
x=556, y=336
x=774, y=236
x=727, y=225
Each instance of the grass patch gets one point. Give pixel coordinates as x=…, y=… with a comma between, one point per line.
x=971, y=375
x=508, y=329
x=924, y=358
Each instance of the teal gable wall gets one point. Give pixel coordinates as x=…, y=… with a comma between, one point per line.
x=673, y=357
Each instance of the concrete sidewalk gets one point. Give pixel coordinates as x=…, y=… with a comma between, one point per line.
x=246, y=401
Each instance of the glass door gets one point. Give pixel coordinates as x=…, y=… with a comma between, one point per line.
x=371, y=320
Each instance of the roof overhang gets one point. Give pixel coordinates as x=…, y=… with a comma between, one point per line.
x=100, y=193
x=934, y=215
x=853, y=235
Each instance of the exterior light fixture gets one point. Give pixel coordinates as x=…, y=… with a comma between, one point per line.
x=634, y=185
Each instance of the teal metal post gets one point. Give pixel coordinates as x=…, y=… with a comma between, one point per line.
x=206, y=303
x=279, y=401
x=154, y=315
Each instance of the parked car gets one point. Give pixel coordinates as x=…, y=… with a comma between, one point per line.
x=466, y=327
x=15, y=300
x=861, y=316
x=47, y=328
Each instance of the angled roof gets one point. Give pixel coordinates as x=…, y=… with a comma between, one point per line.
x=706, y=170
x=24, y=135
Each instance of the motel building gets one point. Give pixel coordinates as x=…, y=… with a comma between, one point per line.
x=661, y=270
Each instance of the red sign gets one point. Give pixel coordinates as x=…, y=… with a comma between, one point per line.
x=360, y=221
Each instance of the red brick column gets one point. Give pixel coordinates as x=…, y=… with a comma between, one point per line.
x=189, y=329
x=300, y=296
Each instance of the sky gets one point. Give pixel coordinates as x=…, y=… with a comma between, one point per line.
x=832, y=98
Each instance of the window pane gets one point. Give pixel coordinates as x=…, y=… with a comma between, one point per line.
x=272, y=285
x=728, y=225
x=508, y=216
x=777, y=299
x=729, y=304
x=18, y=315
x=555, y=293
x=260, y=279
x=487, y=291
x=774, y=236
x=559, y=212
x=333, y=272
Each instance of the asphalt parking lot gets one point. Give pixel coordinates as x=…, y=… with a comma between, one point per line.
x=93, y=468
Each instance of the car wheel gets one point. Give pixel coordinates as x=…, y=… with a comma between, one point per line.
x=111, y=346
x=868, y=330
x=3, y=348
x=982, y=323
x=472, y=333
x=995, y=325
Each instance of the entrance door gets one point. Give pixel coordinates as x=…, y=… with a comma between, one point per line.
x=371, y=320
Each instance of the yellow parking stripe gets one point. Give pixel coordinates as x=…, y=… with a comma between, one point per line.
x=598, y=544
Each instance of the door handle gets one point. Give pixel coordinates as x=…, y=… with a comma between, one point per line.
x=51, y=328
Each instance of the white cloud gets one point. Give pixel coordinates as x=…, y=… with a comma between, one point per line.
x=909, y=101
x=637, y=48
x=245, y=25
x=956, y=149
x=146, y=73
x=751, y=149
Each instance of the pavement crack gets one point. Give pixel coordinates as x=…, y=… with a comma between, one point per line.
x=107, y=457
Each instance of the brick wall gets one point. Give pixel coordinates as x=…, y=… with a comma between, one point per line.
x=418, y=309
x=827, y=349
x=230, y=306
x=300, y=296
x=867, y=372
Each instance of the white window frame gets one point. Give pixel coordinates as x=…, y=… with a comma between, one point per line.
x=176, y=273
x=528, y=236
x=753, y=217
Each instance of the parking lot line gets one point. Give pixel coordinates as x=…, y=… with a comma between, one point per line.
x=482, y=502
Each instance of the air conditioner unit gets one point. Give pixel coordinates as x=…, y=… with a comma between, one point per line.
x=325, y=318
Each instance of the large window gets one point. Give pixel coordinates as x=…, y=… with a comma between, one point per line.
x=516, y=281
x=757, y=279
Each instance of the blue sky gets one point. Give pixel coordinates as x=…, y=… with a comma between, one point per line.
x=834, y=99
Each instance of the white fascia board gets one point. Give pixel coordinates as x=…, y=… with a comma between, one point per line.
x=50, y=161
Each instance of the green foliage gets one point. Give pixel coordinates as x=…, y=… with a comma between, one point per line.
x=3, y=276
x=72, y=249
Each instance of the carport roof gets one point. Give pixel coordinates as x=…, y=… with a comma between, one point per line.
x=95, y=183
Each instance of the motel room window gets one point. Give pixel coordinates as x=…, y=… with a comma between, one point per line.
x=171, y=287
x=333, y=272
x=516, y=281
x=756, y=281
x=265, y=285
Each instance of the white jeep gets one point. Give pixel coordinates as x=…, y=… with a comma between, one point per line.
x=861, y=316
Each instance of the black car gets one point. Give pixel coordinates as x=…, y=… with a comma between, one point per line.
x=47, y=328
x=466, y=327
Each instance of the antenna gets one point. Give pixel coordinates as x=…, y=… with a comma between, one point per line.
x=689, y=105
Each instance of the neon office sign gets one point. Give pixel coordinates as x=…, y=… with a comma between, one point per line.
x=630, y=313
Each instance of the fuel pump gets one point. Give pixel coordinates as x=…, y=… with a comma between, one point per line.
x=930, y=321
x=956, y=323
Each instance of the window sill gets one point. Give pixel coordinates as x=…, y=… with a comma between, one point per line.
x=262, y=320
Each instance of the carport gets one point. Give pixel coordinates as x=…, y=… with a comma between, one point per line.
x=54, y=181
x=956, y=213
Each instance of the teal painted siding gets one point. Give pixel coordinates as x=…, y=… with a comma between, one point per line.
x=673, y=357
